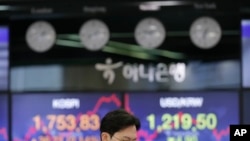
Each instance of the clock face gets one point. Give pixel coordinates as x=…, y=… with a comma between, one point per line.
x=40, y=36
x=150, y=33
x=94, y=34
x=205, y=32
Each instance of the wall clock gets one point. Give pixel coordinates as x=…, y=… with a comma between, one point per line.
x=40, y=36
x=150, y=33
x=205, y=32
x=94, y=34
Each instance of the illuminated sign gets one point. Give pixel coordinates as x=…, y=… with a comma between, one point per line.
x=159, y=73
x=184, y=116
x=60, y=116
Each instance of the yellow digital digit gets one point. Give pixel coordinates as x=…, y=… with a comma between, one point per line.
x=211, y=121
x=61, y=123
x=71, y=122
x=208, y=121
x=37, y=120
x=186, y=121
x=167, y=120
x=151, y=120
x=95, y=120
x=84, y=122
x=52, y=121
x=201, y=121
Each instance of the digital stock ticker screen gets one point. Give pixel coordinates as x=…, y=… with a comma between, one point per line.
x=60, y=116
x=184, y=116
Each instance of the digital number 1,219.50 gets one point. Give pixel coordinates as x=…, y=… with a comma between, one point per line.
x=183, y=121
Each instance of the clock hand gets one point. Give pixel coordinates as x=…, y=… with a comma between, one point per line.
x=204, y=35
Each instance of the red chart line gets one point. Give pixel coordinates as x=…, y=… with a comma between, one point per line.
x=219, y=134
x=4, y=133
x=141, y=133
x=104, y=99
x=126, y=103
x=146, y=135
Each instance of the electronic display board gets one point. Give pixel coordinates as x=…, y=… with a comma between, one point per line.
x=60, y=116
x=184, y=116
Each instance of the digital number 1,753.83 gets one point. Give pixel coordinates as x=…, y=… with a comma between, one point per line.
x=68, y=122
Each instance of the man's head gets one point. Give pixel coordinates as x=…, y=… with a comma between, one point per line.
x=119, y=125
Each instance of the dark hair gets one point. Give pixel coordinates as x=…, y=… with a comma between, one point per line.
x=117, y=120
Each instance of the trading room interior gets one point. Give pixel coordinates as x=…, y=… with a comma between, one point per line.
x=181, y=66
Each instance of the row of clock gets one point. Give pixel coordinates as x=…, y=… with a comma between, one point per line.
x=205, y=32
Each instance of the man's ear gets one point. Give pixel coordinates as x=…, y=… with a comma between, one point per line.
x=105, y=136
